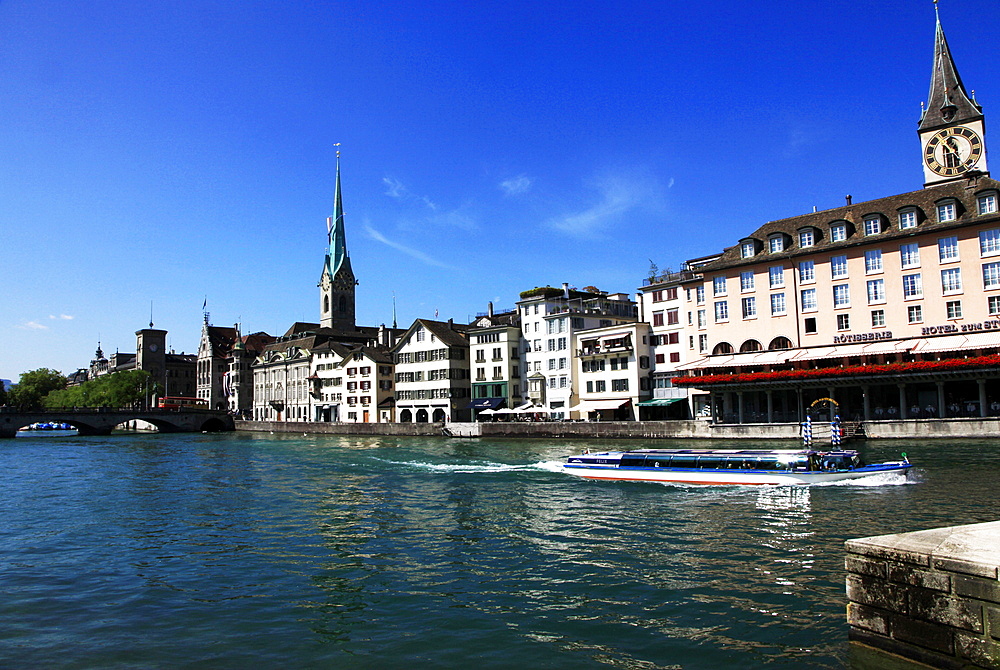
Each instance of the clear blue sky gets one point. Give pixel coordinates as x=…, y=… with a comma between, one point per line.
x=165, y=152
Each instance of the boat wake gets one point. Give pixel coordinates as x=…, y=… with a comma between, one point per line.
x=885, y=479
x=486, y=467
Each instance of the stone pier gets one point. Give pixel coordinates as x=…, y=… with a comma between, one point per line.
x=925, y=599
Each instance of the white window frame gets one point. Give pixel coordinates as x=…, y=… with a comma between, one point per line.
x=991, y=275
x=912, y=287
x=915, y=314
x=776, y=243
x=951, y=281
x=719, y=285
x=875, y=289
x=953, y=309
x=909, y=255
x=838, y=267
x=776, y=276
x=807, y=238
x=838, y=232
x=749, y=305
x=721, y=311
x=748, y=249
x=808, y=300
x=873, y=226
x=947, y=211
x=987, y=203
x=948, y=249
x=841, y=295
x=907, y=219
x=778, y=305
x=989, y=242
x=746, y=281
x=878, y=318
x=807, y=272
x=873, y=262
x=844, y=321
x=993, y=305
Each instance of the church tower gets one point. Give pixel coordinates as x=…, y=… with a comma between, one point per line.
x=336, y=284
x=951, y=127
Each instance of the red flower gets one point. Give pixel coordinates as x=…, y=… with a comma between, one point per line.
x=853, y=371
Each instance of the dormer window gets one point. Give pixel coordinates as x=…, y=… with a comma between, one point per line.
x=873, y=225
x=748, y=248
x=986, y=203
x=838, y=232
x=807, y=237
x=947, y=210
x=776, y=243
x=908, y=218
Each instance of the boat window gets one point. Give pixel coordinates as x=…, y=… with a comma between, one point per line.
x=632, y=461
x=684, y=461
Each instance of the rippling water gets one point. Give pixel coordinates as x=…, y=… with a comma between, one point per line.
x=234, y=550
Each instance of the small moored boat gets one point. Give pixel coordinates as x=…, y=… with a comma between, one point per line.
x=729, y=466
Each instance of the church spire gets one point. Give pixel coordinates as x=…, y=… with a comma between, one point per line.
x=336, y=237
x=947, y=101
x=336, y=284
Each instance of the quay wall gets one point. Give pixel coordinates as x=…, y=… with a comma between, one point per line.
x=911, y=429
x=927, y=598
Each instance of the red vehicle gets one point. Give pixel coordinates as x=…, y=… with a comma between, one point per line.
x=178, y=402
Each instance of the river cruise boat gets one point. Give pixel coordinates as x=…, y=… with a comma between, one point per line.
x=775, y=467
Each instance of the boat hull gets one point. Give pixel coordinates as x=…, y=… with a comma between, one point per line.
x=709, y=477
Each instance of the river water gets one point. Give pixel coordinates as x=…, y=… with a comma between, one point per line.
x=239, y=550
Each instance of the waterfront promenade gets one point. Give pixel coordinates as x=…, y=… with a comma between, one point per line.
x=904, y=429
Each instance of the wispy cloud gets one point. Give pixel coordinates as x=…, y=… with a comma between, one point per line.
x=64, y=317
x=409, y=251
x=32, y=325
x=397, y=189
x=516, y=185
x=616, y=195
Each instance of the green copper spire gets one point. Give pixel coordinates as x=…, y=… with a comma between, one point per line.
x=337, y=252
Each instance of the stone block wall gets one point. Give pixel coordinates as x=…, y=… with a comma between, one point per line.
x=931, y=596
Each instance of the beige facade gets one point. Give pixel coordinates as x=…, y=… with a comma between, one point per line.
x=432, y=373
x=612, y=371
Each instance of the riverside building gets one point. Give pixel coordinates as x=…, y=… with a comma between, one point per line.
x=432, y=373
x=891, y=307
x=550, y=320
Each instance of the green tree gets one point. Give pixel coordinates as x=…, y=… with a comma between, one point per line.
x=34, y=386
x=121, y=389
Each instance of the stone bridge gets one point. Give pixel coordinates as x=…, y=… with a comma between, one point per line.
x=101, y=421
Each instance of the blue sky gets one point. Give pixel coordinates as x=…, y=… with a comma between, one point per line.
x=162, y=153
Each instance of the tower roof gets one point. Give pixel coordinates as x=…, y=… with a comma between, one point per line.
x=337, y=251
x=947, y=101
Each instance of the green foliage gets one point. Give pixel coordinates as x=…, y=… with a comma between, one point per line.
x=121, y=389
x=34, y=386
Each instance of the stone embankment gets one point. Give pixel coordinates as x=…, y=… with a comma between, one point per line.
x=921, y=429
x=928, y=598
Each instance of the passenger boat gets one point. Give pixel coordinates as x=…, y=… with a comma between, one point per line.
x=729, y=466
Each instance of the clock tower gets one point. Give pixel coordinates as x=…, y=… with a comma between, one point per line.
x=951, y=127
x=337, y=282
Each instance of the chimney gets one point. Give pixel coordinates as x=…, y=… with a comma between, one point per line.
x=490, y=308
x=848, y=200
x=566, y=290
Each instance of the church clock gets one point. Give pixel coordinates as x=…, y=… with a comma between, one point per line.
x=953, y=151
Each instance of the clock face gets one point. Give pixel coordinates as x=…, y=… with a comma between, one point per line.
x=153, y=347
x=952, y=151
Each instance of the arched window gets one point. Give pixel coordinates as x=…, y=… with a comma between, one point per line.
x=780, y=342
x=722, y=348
x=326, y=304
x=439, y=415
x=421, y=416
x=750, y=345
x=405, y=416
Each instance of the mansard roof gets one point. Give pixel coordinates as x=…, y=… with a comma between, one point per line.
x=924, y=201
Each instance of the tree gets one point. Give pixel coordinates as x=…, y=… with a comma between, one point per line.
x=121, y=389
x=34, y=386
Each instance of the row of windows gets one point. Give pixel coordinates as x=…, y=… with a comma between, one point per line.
x=599, y=386
x=947, y=210
x=951, y=283
x=909, y=258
